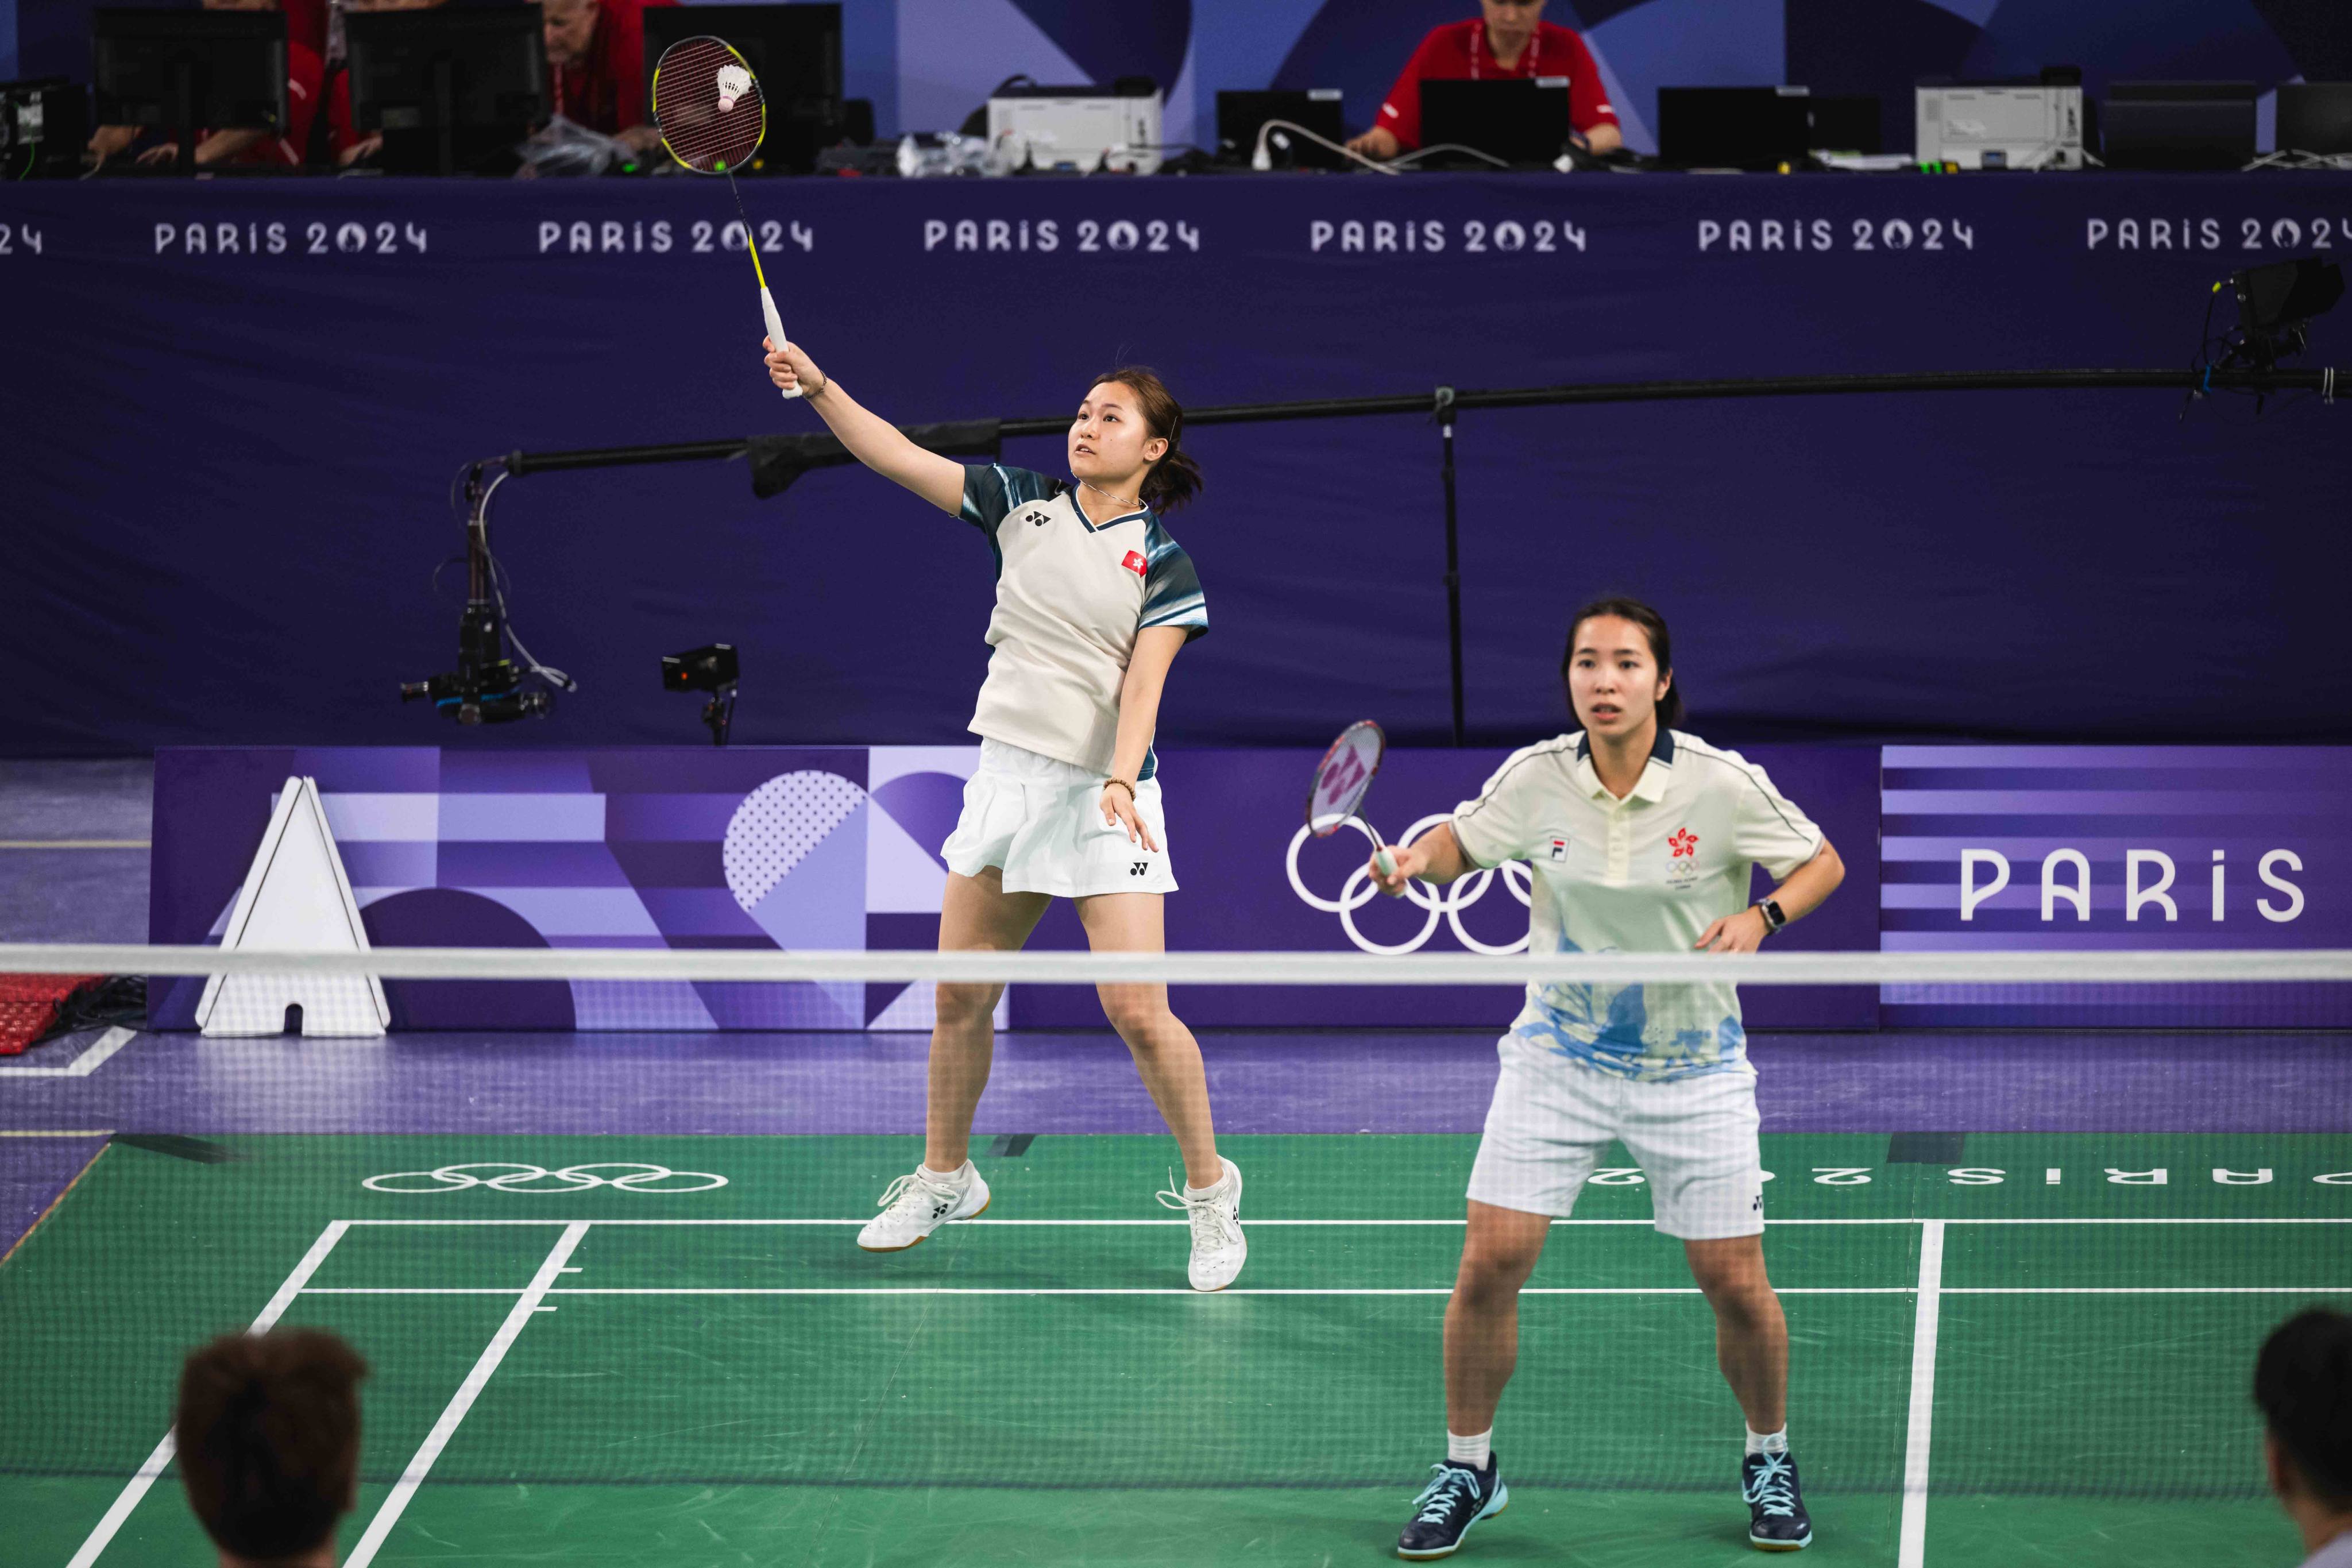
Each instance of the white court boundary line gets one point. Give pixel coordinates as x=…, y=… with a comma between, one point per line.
x=525, y=1305
x=531, y=1298
x=93, y=1057
x=136, y=1488
x=1912, y=1541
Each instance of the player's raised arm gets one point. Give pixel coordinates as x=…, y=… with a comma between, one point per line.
x=871, y=439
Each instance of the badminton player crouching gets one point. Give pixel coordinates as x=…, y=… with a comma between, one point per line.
x=1093, y=601
x=1641, y=838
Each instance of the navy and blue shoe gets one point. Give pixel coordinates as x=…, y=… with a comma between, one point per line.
x=1776, y=1521
x=1448, y=1506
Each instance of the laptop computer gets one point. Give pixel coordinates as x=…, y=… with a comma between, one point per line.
x=1523, y=122
x=1241, y=115
x=1734, y=127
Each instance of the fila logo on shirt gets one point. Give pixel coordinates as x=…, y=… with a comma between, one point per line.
x=1134, y=562
x=1559, y=848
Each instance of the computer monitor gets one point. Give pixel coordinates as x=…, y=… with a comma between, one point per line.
x=2315, y=117
x=1523, y=122
x=185, y=71
x=793, y=49
x=1241, y=115
x=448, y=88
x=43, y=124
x=1843, y=122
x=2178, y=124
x=1734, y=127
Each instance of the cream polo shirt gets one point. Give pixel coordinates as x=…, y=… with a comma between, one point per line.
x=1646, y=874
x=1071, y=594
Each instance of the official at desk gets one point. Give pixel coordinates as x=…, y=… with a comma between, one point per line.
x=1508, y=38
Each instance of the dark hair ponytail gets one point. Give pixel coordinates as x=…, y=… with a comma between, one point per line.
x=1175, y=479
x=1661, y=648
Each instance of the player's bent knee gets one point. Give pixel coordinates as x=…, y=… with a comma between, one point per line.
x=1139, y=1019
x=1743, y=1302
x=957, y=1005
x=1491, y=1275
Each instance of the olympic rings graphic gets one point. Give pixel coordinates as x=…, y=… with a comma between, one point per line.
x=1444, y=903
x=517, y=1177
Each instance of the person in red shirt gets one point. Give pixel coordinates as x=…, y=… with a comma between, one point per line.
x=306, y=75
x=596, y=66
x=1510, y=39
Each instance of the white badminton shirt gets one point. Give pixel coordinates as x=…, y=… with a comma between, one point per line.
x=1646, y=874
x=1071, y=594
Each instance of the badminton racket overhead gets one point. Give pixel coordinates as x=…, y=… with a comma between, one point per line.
x=1340, y=780
x=708, y=105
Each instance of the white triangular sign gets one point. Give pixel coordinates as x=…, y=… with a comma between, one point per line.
x=296, y=898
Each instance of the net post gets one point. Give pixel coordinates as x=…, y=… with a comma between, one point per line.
x=1443, y=407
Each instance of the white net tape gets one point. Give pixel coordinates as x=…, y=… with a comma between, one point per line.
x=1210, y=968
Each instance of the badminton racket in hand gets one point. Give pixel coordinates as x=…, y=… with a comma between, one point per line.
x=1340, y=780
x=712, y=118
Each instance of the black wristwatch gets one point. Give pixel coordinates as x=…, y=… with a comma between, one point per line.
x=1773, y=918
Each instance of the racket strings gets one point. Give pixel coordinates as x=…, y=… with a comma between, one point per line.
x=709, y=107
x=1344, y=775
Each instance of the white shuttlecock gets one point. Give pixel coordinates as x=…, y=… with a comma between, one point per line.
x=734, y=81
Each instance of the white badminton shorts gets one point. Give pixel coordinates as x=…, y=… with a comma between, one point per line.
x=1041, y=820
x=1693, y=1140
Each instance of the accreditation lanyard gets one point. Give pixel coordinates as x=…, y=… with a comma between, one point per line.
x=1480, y=48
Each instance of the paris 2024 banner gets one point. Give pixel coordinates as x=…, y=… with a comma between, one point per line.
x=1947, y=849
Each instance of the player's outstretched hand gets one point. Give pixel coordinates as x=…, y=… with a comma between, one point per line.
x=790, y=366
x=1409, y=863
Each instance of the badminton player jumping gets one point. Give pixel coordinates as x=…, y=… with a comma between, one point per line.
x=1642, y=838
x=1093, y=600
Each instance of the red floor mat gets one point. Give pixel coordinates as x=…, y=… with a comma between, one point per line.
x=29, y=1004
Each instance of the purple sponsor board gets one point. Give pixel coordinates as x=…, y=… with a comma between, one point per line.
x=811, y=848
x=2098, y=849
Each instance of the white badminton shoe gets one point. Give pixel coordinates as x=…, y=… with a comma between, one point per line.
x=1219, y=1246
x=918, y=1202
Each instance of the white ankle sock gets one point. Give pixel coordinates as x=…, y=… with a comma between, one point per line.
x=1768, y=1442
x=959, y=1177
x=1192, y=1192
x=1478, y=1450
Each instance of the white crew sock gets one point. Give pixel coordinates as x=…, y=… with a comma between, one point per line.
x=1768, y=1442
x=1216, y=1187
x=1478, y=1450
x=959, y=1178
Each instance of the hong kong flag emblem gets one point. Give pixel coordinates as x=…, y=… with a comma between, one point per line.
x=1134, y=562
x=1684, y=842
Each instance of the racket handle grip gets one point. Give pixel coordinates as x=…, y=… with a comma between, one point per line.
x=775, y=326
x=1386, y=861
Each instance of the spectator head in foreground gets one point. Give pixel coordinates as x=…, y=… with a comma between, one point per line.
x=2303, y=1382
x=269, y=1436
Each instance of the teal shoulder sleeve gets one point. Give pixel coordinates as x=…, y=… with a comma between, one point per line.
x=992, y=493
x=1171, y=588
